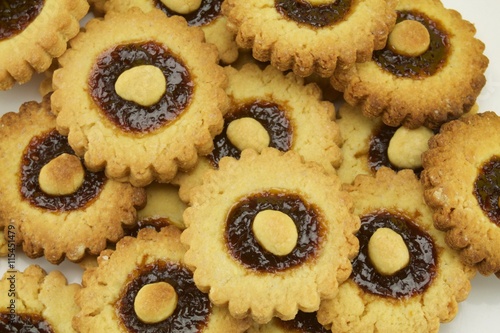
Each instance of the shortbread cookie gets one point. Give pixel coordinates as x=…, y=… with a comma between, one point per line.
x=57, y=207
x=205, y=14
x=34, y=301
x=269, y=235
x=431, y=70
x=461, y=172
x=270, y=109
x=145, y=286
x=311, y=36
x=165, y=108
x=33, y=33
x=405, y=278
x=304, y=322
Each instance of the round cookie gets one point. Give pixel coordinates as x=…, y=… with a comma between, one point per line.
x=131, y=290
x=131, y=141
x=34, y=301
x=269, y=108
x=205, y=14
x=429, y=280
x=57, y=207
x=461, y=172
x=264, y=277
x=427, y=89
x=309, y=37
x=51, y=23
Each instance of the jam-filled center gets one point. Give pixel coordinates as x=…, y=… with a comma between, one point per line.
x=270, y=117
x=303, y=322
x=23, y=322
x=415, y=62
x=247, y=249
x=487, y=189
x=15, y=16
x=127, y=112
x=315, y=13
x=411, y=279
x=189, y=312
x=40, y=152
x=206, y=12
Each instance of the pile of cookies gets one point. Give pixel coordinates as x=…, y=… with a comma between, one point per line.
x=187, y=155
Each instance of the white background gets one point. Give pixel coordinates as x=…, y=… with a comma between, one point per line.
x=481, y=311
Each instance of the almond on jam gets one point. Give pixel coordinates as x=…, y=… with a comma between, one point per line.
x=208, y=11
x=15, y=16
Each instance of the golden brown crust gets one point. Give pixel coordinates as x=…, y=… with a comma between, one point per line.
x=139, y=157
x=290, y=45
x=41, y=294
x=314, y=133
x=103, y=285
x=430, y=100
x=249, y=292
x=56, y=24
x=356, y=310
x=56, y=234
x=451, y=167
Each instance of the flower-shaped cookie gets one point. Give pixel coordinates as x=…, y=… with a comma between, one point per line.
x=206, y=14
x=55, y=205
x=269, y=234
x=140, y=103
x=431, y=70
x=311, y=36
x=271, y=109
x=145, y=286
x=461, y=179
x=33, y=33
x=34, y=301
x=405, y=278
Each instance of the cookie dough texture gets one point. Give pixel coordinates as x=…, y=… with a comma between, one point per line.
x=451, y=167
x=354, y=310
x=315, y=135
x=46, y=295
x=139, y=158
x=263, y=295
x=57, y=23
x=57, y=234
x=430, y=100
x=103, y=285
x=215, y=31
x=307, y=49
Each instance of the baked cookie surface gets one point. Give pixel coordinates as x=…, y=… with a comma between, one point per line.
x=413, y=85
x=461, y=172
x=405, y=278
x=51, y=23
x=309, y=37
x=34, y=301
x=139, y=103
x=270, y=109
x=206, y=14
x=279, y=231
x=58, y=207
x=145, y=285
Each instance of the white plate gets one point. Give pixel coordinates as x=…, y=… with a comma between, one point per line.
x=481, y=311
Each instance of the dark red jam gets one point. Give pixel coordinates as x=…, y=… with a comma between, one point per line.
x=487, y=189
x=304, y=322
x=244, y=247
x=208, y=11
x=29, y=323
x=40, y=151
x=156, y=223
x=424, y=65
x=270, y=115
x=411, y=280
x=17, y=15
x=318, y=16
x=131, y=116
x=193, y=306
